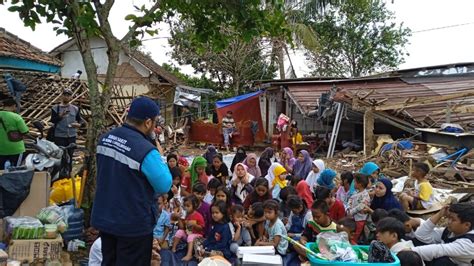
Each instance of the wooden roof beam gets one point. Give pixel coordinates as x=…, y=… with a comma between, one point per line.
x=429, y=100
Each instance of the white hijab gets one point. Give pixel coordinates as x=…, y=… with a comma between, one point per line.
x=240, y=192
x=312, y=177
x=270, y=175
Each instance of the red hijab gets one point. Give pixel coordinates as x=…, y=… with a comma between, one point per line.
x=303, y=190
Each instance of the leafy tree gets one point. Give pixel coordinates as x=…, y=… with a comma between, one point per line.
x=357, y=38
x=81, y=20
x=196, y=82
x=237, y=63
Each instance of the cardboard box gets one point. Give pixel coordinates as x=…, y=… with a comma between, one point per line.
x=38, y=197
x=258, y=260
x=36, y=200
x=35, y=249
x=258, y=250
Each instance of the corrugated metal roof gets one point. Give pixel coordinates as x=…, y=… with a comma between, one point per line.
x=396, y=90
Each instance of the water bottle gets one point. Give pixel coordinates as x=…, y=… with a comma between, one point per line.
x=7, y=166
x=75, y=226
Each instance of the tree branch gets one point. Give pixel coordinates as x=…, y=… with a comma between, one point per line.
x=135, y=26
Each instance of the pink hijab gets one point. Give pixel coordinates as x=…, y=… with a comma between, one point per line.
x=253, y=170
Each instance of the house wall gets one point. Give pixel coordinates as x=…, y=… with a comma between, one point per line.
x=277, y=102
x=130, y=73
x=274, y=103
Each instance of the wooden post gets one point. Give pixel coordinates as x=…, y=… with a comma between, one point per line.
x=368, y=132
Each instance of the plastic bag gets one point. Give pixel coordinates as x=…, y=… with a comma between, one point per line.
x=53, y=215
x=336, y=247
x=379, y=252
x=23, y=227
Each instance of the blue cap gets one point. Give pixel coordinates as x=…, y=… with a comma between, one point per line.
x=143, y=108
x=369, y=168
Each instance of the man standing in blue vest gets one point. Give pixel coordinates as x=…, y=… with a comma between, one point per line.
x=130, y=172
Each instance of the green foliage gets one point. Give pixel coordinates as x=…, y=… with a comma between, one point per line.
x=357, y=38
x=196, y=82
x=232, y=66
x=248, y=19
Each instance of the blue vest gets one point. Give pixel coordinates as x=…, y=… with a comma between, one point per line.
x=124, y=201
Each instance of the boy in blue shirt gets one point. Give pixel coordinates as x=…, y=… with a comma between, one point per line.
x=161, y=230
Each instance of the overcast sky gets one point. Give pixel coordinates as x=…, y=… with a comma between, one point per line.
x=443, y=32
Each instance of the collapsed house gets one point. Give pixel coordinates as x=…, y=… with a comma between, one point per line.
x=401, y=103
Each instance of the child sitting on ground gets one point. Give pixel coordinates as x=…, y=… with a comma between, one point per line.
x=411, y=224
x=284, y=195
x=320, y=223
x=347, y=225
x=422, y=197
x=336, y=207
x=370, y=229
x=161, y=230
x=174, y=195
x=255, y=221
x=212, y=186
x=358, y=202
x=260, y=193
x=409, y=258
x=390, y=231
x=240, y=234
x=279, y=182
x=299, y=217
x=303, y=190
x=191, y=228
x=275, y=231
x=452, y=245
x=199, y=190
x=342, y=193
x=220, y=236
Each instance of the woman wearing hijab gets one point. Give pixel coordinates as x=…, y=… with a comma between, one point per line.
x=196, y=173
x=287, y=159
x=303, y=190
x=302, y=165
x=240, y=184
x=384, y=198
x=239, y=157
x=270, y=175
x=209, y=155
x=252, y=167
x=370, y=169
x=317, y=167
x=326, y=179
x=265, y=160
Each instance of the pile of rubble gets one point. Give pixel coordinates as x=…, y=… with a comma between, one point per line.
x=396, y=159
x=44, y=90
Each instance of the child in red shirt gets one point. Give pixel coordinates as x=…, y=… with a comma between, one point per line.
x=191, y=228
x=336, y=207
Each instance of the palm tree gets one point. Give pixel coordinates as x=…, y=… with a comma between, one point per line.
x=297, y=13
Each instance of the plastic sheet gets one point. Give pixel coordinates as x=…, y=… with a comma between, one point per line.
x=23, y=227
x=53, y=215
x=336, y=247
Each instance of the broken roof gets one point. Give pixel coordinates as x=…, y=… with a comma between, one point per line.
x=14, y=47
x=421, y=95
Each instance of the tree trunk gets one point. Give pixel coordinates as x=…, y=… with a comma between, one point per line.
x=281, y=60
x=278, y=53
x=237, y=86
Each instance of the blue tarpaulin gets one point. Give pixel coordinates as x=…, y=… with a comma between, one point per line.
x=229, y=101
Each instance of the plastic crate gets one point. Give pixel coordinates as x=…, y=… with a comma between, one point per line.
x=316, y=262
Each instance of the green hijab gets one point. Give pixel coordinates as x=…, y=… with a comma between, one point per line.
x=198, y=161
